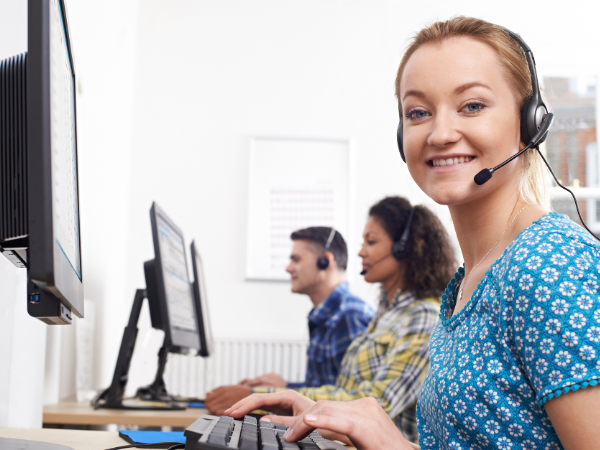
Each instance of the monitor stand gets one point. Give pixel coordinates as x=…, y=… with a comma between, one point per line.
x=113, y=396
x=157, y=391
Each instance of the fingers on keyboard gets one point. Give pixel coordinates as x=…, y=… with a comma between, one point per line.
x=262, y=436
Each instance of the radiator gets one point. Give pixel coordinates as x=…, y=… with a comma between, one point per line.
x=232, y=361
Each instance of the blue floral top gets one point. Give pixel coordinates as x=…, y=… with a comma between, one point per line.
x=530, y=332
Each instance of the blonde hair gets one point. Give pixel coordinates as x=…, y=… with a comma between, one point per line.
x=532, y=184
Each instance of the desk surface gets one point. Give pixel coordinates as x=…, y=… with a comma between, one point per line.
x=73, y=413
x=76, y=439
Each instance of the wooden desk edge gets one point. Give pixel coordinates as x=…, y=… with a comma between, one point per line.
x=82, y=414
x=76, y=439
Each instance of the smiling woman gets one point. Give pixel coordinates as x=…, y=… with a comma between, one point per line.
x=512, y=64
x=514, y=356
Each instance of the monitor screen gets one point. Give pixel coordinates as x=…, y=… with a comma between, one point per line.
x=177, y=286
x=172, y=289
x=54, y=265
x=65, y=203
x=201, y=303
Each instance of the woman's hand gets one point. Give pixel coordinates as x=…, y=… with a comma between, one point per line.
x=364, y=422
x=288, y=403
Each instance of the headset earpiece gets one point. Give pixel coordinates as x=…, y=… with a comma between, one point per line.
x=400, y=143
x=323, y=262
x=525, y=136
x=402, y=247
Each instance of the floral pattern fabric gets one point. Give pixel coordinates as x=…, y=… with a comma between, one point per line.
x=530, y=332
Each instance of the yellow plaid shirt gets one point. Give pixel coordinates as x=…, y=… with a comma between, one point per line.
x=388, y=361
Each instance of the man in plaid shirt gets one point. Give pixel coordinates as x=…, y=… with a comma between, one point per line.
x=336, y=319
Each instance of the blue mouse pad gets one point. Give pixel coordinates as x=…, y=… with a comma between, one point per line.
x=169, y=438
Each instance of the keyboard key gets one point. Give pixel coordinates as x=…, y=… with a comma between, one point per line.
x=217, y=439
x=330, y=445
x=270, y=446
x=248, y=443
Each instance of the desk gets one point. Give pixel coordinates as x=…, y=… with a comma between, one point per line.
x=73, y=413
x=76, y=439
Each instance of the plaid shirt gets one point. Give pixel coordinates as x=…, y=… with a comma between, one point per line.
x=389, y=361
x=333, y=325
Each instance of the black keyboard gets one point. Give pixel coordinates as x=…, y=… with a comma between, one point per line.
x=215, y=433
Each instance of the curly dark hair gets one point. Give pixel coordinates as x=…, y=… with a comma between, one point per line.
x=431, y=261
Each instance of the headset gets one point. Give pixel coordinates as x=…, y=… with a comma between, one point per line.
x=535, y=123
x=401, y=248
x=322, y=262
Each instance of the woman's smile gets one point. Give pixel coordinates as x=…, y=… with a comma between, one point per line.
x=448, y=163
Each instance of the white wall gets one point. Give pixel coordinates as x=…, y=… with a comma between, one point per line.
x=104, y=38
x=171, y=92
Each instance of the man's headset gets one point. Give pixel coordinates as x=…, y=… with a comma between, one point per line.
x=401, y=247
x=322, y=262
x=535, y=123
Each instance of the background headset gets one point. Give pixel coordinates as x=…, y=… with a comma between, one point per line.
x=401, y=247
x=322, y=262
x=535, y=123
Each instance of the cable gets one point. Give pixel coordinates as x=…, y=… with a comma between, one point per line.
x=569, y=191
x=176, y=446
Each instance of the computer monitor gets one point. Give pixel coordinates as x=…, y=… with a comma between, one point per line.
x=39, y=184
x=173, y=289
x=200, y=299
x=172, y=309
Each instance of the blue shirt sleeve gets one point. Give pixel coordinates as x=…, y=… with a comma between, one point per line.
x=554, y=290
x=296, y=385
x=349, y=326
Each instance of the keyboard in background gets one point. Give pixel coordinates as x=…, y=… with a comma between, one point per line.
x=215, y=433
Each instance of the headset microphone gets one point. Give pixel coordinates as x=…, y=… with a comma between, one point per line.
x=364, y=272
x=484, y=176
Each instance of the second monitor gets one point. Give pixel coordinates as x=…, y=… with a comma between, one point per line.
x=168, y=285
x=176, y=306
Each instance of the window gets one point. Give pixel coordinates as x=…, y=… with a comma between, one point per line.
x=572, y=147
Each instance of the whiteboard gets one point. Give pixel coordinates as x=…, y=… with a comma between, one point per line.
x=293, y=184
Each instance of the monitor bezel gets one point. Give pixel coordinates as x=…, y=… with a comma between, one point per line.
x=178, y=338
x=48, y=267
x=200, y=298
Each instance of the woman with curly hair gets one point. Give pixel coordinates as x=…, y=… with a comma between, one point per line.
x=514, y=357
x=407, y=251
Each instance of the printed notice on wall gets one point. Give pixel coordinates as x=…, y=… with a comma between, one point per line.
x=294, y=184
